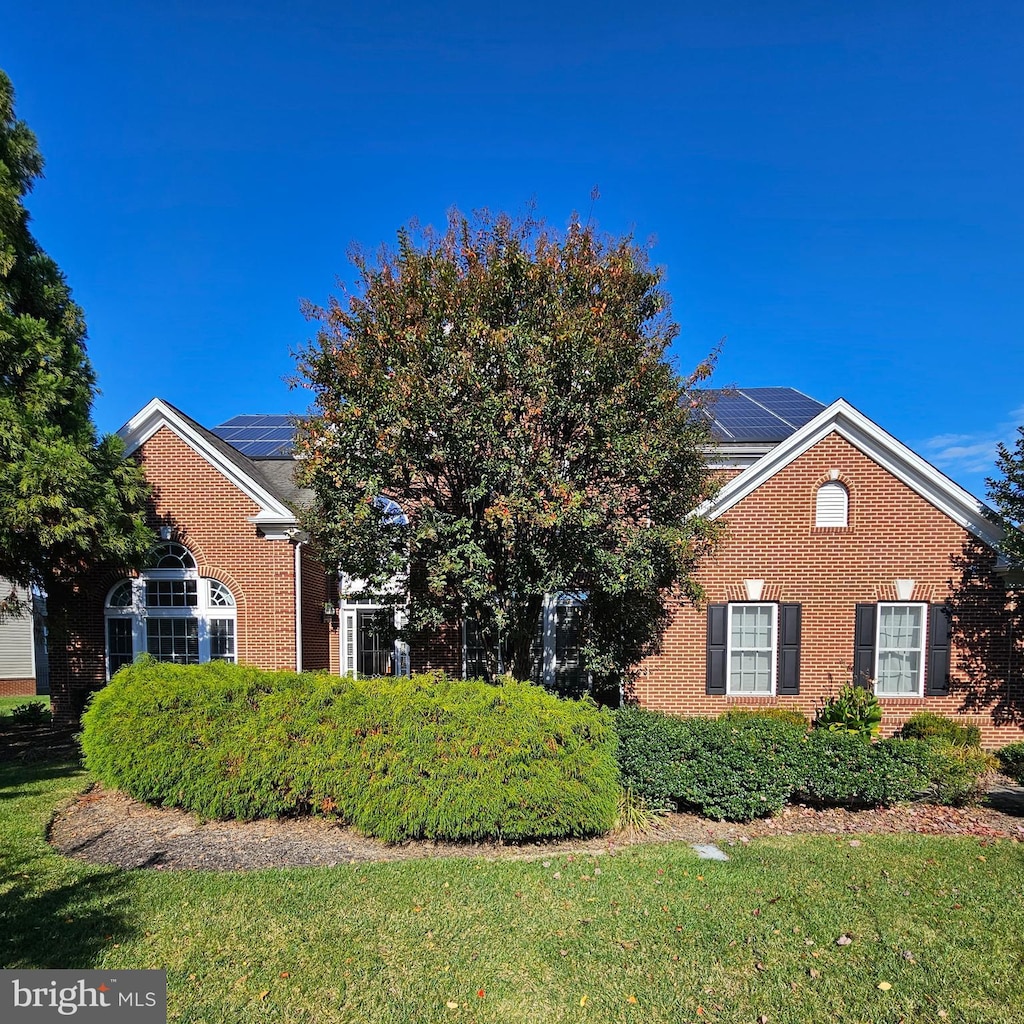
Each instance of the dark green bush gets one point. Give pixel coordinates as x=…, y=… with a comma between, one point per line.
x=397, y=758
x=933, y=727
x=735, y=768
x=842, y=770
x=1011, y=761
x=781, y=714
x=652, y=751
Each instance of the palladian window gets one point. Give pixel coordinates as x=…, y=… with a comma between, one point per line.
x=171, y=613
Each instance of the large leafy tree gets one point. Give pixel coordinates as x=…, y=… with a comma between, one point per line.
x=507, y=385
x=68, y=500
x=1006, y=492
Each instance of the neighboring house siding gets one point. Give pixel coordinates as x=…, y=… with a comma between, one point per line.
x=893, y=533
x=17, y=652
x=209, y=515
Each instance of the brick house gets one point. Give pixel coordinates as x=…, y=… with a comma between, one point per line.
x=844, y=553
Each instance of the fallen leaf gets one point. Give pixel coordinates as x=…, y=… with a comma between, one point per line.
x=814, y=973
x=844, y=940
x=583, y=1000
x=264, y=993
x=480, y=993
x=451, y=1005
x=763, y=1019
x=759, y=966
x=285, y=974
x=884, y=986
x=632, y=1000
x=563, y=952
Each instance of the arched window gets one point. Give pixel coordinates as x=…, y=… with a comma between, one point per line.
x=170, y=612
x=832, y=505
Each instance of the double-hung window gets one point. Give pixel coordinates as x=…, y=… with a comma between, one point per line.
x=752, y=654
x=900, y=650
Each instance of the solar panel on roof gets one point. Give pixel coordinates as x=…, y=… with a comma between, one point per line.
x=259, y=436
x=759, y=414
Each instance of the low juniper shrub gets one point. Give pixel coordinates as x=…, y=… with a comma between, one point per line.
x=398, y=758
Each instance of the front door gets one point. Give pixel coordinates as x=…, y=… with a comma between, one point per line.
x=375, y=643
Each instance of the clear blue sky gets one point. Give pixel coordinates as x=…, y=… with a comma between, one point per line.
x=837, y=193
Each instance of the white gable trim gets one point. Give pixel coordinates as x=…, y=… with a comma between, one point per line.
x=274, y=517
x=907, y=466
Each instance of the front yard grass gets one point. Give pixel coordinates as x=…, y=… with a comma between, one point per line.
x=651, y=934
x=8, y=704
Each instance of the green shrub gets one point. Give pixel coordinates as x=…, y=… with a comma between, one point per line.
x=854, y=709
x=959, y=775
x=398, y=758
x=1011, y=762
x=651, y=752
x=736, y=768
x=34, y=713
x=842, y=770
x=929, y=726
x=781, y=714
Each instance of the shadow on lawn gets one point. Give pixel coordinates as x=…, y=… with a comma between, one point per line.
x=53, y=913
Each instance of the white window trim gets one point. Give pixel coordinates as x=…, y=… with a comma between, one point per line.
x=203, y=611
x=730, y=692
x=922, y=665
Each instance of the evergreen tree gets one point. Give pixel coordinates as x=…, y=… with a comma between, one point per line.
x=68, y=499
x=1006, y=493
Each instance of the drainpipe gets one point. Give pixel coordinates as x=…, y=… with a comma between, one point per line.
x=298, y=603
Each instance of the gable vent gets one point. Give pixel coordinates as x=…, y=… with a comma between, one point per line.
x=832, y=505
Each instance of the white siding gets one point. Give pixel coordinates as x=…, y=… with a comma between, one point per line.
x=17, y=654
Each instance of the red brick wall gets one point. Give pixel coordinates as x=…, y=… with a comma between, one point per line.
x=209, y=515
x=17, y=687
x=316, y=636
x=892, y=533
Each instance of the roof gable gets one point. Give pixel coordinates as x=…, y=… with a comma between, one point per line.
x=274, y=517
x=894, y=456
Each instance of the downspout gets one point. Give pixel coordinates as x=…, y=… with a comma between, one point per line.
x=298, y=605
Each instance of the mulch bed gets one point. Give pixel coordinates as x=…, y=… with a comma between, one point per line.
x=107, y=827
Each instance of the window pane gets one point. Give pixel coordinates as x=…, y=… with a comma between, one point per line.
x=222, y=639
x=898, y=672
x=220, y=596
x=121, y=596
x=900, y=627
x=171, y=556
x=171, y=593
x=174, y=640
x=750, y=672
x=119, y=643
x=752, y=626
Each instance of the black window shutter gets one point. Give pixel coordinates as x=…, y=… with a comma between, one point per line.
x=789, y=649
x=718, y=615
x=937, y=669
x=864, y=645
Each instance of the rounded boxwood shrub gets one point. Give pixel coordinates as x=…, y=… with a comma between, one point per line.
x=734, y=768
x=841, y=770
x=1011, y=761
x=398, y=758
x=933, y=727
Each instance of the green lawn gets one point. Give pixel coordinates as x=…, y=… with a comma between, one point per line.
x=7, y=704
x=652, y=934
